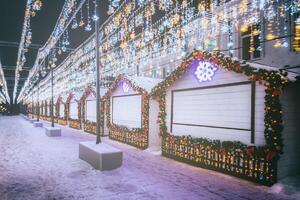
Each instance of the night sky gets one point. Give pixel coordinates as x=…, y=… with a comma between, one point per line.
x=11, y=23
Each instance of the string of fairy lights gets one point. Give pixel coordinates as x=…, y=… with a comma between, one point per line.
x=149, y=34
x=169, y=36
x=60, y=33
x=4, y=96
x=32, y=6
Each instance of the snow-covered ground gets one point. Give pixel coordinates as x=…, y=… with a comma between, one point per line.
x=34, y=166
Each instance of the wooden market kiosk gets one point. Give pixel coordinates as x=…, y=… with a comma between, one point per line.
x=41, y=112
x=129, y=111
x=224, y=115
x=48, y=110
x=61, y=110
x=89, y=113
x=74, y=110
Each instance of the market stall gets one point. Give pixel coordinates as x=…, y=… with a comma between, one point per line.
x=47, y=110
x=127, y=111
x=89, y=114
x=41, y=109
x=61, y=111
x=218, y=113
x=74, y=107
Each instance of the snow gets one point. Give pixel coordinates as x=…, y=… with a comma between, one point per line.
x=103, y=90
x=36, y=167
x=291, y=76
x=289, y=186
x=64, y=97
x=77, y=95
x=145, y=83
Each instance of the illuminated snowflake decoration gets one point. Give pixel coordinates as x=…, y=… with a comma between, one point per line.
x=125, y=87
x=205, y=71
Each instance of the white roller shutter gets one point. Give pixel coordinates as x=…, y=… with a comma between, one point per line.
x=74, y=110
x=90, y=113
x=215, y=112
x=127, y=111
x=61, y=110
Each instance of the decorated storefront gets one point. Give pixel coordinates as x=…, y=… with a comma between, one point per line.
x=74, y=110
x=48, y=110
x=30, y=109
x=61, y=110
x=55, y=110
x=89, y=113
x=127, y=110
x=42, y=107
x=34, y=110
x=224, y=115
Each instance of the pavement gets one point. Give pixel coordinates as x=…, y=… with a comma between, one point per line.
x=36, y=167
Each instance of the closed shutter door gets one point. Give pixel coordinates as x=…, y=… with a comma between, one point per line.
x=91, y=110
x=126, y=111
x=74, y=110
x=221, y=112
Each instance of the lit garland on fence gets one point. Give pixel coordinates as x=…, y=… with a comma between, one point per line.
x=137, y=137
x=250, y=162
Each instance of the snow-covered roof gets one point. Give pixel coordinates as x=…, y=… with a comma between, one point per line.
x=145, y=83
x=290, y=75
x=64, y=97
x=103, y=90
x=78, y=94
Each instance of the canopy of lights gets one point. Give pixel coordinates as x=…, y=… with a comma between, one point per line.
x=4, y=96
x=151, y=34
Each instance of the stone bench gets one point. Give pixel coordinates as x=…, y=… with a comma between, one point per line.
x=53, y=131
x=37, y=124
x=101, y=156
x=32, y=120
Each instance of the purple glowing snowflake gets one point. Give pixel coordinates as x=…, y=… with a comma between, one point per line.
x=205, y=71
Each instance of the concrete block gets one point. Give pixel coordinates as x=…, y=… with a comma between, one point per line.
x=37, y=124
x=101, y=156
x=53, y=131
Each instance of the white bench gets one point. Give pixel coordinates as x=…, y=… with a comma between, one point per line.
x=53, y=131
x=101, y=156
